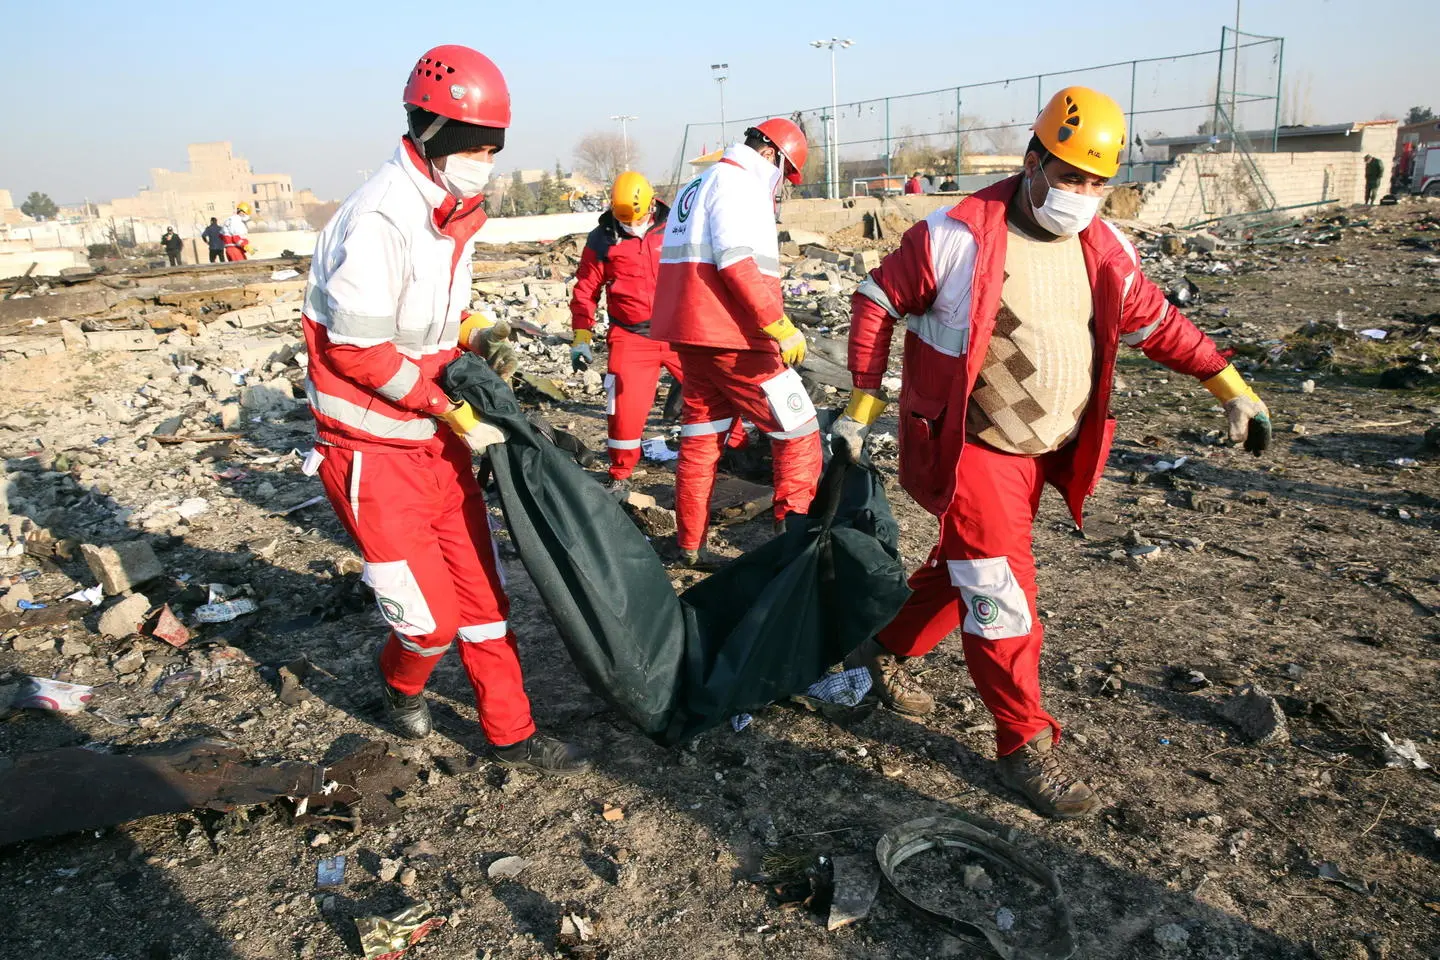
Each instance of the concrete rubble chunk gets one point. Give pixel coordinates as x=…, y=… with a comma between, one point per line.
x=122, y=566
x=820, y=253
x=1258, y=716
x=248, y=317
x=271, y=397
x=106, y=341
x=865, y=261
x=125, y=618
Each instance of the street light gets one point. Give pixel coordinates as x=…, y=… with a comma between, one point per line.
x=833, y=173
x=722, y=73
x=625, y=134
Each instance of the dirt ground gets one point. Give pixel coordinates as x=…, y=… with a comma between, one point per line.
x=1312, y=572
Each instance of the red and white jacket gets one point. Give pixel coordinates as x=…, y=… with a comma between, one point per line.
x=719, y=279
x=388, y=282
x=626, y=267
x=946, y=279
x=235, y=231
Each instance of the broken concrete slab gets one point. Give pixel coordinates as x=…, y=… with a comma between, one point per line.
x=865, y=261
x=73, y=789
x=248, y=317
x=269, y=398
x=123, y=565
x=107, y=341
x=126, y=617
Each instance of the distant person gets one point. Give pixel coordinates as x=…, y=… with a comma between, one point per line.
x=215, y=239
x=949, y=185
x=172, y=243
x=913, y=184
x=927, y=183
x=1374, y=170
x=235, y=231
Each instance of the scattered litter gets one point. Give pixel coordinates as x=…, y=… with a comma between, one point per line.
x=575, y=930
x=902, y=842
x=166, y=626
x=37, y=693
x=388, y=937
x=740, y=721
x=290, y=681
x=855, y=885
x=1404, y=462
x=30, y=605
x=1374, y=334
x=226, y=611
x=1005, y=919
x=507, y=868
x=975, y=878
x=1332, y=872
x=330, y=872
x=1402, y=753
x=846, y=688
x=313, y=501
x=656, y=449
x=279, y=275
x=92, y=595
x=613, y=813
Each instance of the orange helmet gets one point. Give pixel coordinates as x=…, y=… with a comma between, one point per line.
x=789, y=140
x=632, y=197
x=1084, y=128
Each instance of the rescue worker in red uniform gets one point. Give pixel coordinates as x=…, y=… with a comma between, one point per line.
x=1016, y=301
x=383, y=315
x=718, y=303
x=235, y=232
x=622, y=258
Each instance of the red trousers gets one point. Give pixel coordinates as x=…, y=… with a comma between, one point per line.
x=634, y=373
x=981, y=577
x=234, y=252
x=722, y=386
x=420, y=521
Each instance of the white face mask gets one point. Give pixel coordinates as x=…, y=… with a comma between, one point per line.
x=465, y=177
x=638, y=229
x=1064, y=213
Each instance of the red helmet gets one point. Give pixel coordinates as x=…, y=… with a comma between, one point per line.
x=461, y=84
x=789, y=139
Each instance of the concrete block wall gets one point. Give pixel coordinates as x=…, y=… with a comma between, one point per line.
x=828, y=216
x=1201, y=186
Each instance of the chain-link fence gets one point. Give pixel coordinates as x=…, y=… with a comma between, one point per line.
x=961, y=138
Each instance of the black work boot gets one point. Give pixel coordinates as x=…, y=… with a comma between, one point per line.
x=408, y=714
x=892, y=682
x=554, y=758
x=1035, y=771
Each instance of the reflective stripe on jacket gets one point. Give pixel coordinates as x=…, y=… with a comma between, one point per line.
x=946, y=280
x=388, y=282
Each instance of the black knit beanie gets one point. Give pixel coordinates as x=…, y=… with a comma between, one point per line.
x=450, y=136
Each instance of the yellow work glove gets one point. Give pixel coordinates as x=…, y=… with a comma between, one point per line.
x=581, y=356
x=864, y=409
x=472, y=330
x=792, y=341
x=1249, y=417
x=468, y=426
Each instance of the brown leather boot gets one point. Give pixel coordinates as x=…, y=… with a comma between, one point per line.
x=893, y=684
x=1035, y=771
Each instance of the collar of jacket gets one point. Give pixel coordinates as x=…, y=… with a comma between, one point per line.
x=749, y=160
x=611, y=226
x=441, y=202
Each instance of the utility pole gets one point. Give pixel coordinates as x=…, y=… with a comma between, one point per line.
x=625, y=119
x=722, y=73
x=833, y=166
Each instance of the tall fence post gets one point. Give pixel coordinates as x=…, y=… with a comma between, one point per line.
x=887, y=137
x=1130, y=122
x=1039, y=93
x=1279, y=92
x=1219, y=83
x=959, y=136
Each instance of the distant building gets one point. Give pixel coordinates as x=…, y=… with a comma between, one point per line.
x=1375, y=137
x=9, y=213
x=215, y=182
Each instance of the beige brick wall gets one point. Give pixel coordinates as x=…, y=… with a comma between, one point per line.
x=1201, y=186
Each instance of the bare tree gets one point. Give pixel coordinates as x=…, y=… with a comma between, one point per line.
x=600, y=155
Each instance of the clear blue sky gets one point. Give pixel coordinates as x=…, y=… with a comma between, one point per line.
x=94, y=94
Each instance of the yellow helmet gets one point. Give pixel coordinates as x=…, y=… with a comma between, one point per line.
x=243, y=207
x=632, y=197
x=1084, y=128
